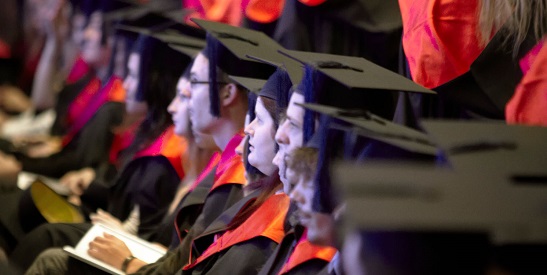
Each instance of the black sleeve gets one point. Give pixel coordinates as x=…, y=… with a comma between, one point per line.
x=250, y=256
x=89, y=148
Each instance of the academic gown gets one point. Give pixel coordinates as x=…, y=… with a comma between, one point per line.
x=150, y=180
x=227, y=190
x=249, y=245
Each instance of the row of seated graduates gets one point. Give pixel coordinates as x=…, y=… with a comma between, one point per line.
x=101, y=137
x=369, y=107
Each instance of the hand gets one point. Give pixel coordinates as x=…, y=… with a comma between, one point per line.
x=104, y=218
x=109, y=249
x=78, y=181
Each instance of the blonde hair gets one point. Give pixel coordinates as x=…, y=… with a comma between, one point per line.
x=516, y=17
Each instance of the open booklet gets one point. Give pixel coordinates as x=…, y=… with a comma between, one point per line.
x=143, y=250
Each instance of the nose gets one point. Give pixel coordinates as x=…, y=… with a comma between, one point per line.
x=172, y=108
x=281, y=134
x=249, y=130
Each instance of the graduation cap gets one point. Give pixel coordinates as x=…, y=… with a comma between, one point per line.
x=167, y=35
x=227, y=49
x=413, y=198
x=280, y=84
x=365, y=137
x=349, y=82
x=491, y=80
x=516, y=151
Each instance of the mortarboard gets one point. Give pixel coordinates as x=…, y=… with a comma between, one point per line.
x=227, y=49
x=491, y=80
x=415, y=198
x=280, y=84
x=517, y=151
x=349, y=82
x=167, y=35
x=365, y=137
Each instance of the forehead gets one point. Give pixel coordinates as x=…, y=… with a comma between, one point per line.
x=294, y=111
x=200, y=67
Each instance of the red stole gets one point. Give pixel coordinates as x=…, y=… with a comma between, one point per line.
x=168, y=145
x=90, y=103
x=230, y=168
x=5, y=50
x=78, y=70
x=529, y=103
x=122, y=139
x=305, y=251
x=78, y=105
x=440, y=38
x=267, y=221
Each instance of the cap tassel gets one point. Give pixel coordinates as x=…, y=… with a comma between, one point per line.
x=212, y=54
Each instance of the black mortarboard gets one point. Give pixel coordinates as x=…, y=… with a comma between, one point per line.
x=517, y=151
x=491, y=80
x=189, y=51
x=167, y=35
x=280, y=84
x=227, y=49
x=349, y=82
x=365, y=137
x=416, y=198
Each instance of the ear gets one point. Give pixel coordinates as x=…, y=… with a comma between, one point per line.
x=228, y=94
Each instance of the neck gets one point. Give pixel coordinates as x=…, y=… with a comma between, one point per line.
x=223, y=133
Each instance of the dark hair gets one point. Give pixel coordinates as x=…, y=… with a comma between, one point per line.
x=159, y=70
x=269, y=186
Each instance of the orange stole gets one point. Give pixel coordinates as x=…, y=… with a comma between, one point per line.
x=264, y=11
x=230, y=169
x=168, y=145
x=439, y=38
x=305, y=251
x=112, y=91
x=122, y=139
x=267, y=221
x=78, y=70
